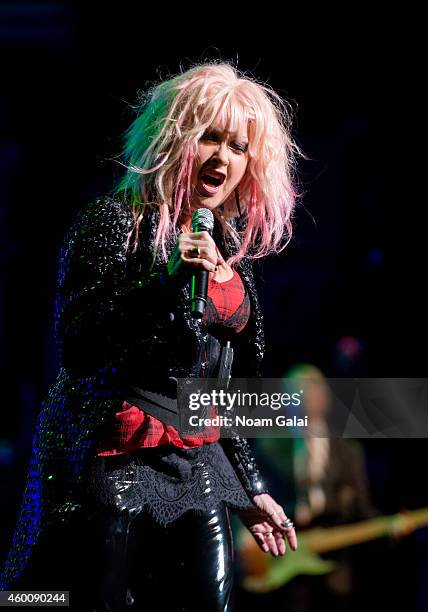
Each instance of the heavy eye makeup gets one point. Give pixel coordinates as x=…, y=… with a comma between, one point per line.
x=241, y=147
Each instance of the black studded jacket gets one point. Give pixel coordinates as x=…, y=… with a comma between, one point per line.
x=117, y=313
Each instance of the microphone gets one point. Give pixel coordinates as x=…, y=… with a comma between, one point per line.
x=202, y=221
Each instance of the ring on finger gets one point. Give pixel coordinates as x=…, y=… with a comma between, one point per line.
x=288, y=524
x=196, y=251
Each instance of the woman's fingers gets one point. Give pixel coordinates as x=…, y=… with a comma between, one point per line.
x=200, y=260
x=266, y=541
x=287, y=531
x=201, y=252
x=193, y=250
x=277, y=518
x=280, y=542
x=269, y=539
x=199, y=263
x=261, y=541
x=200, y=236
x=292, y=538
x=271, y=542
x=196, y=247
x=197, y=239
x=286, y=527
x=188, y=245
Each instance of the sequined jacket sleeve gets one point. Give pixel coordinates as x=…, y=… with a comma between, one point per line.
x=103, y=294
x=240, y=455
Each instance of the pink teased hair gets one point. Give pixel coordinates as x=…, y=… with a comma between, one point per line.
x=161, y=143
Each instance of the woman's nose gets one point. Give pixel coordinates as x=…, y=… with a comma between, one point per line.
x=222, y=153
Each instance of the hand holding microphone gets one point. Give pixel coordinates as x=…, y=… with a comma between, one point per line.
x=196, y=249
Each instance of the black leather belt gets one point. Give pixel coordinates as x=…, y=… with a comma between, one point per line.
x=165, y=408
x=160, y=406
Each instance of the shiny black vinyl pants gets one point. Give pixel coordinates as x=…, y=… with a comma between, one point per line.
x=120, y=563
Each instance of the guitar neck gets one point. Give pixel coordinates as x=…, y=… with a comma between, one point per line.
x=322, y=540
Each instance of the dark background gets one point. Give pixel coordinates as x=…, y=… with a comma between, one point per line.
x=345, y=295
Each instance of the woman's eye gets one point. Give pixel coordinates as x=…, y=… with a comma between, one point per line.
x=239, y=147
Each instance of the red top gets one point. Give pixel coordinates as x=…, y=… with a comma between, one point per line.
x=227, y=304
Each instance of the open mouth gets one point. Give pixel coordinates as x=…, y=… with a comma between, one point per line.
x=211, y=181
x=215, y=180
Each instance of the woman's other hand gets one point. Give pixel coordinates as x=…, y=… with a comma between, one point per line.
x=265, y=523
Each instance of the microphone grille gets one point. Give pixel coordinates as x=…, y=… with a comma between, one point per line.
x=203, y=220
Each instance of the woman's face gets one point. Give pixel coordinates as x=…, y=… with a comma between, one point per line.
x=219, y=166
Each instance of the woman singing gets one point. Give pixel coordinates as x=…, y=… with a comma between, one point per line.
x=120, y=508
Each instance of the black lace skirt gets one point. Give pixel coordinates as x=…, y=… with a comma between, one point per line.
x=165, y=481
